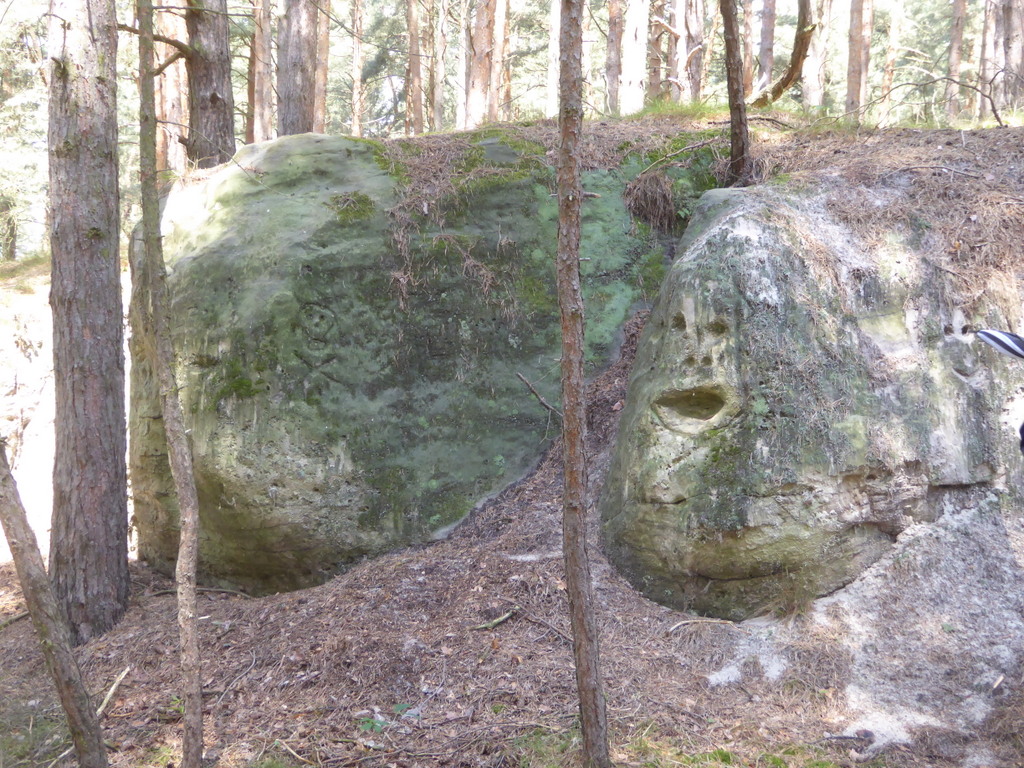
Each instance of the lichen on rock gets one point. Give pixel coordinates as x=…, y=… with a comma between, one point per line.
x=349, y=364
x=797, y=401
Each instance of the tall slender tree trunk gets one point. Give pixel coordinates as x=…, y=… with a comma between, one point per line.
x=211, y=103
x=956, y=43
x=357, y=68
x=655, y=53
x=815, y=64
x=482, y=48
x=262, y=73
x=632, y=86
x=8, y=230
x=739, y=149
x=323, y=57
x=171, y=92
x=414, y=80
x=892, y=50
x=693, y=36
x=801, y=44
x=748, y=47
x=1013, y=51
x=50, y=624
x=173, y=421
x=586, y=651
x=499, y=55
x=89, y=550
x=296, y=67
x=861, y=25
x=709, y=54
x=554, y=30
x=613, y=60
x=462, y=64
x=766, y=54
x=437, y=65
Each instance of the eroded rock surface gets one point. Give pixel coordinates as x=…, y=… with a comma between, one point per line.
x=798, y=401
x=349, y=368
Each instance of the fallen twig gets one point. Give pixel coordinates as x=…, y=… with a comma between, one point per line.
x=110, y=693
x=684, y=622
x=539, y=396
x=500, y=620
x=16, y=617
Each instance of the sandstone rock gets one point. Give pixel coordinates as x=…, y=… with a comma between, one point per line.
x=345, y=396
x=798, y=400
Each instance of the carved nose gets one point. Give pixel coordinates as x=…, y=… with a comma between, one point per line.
x=680, y=409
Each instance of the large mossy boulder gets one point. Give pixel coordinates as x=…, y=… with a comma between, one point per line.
x=800, y=398
x=349, y=365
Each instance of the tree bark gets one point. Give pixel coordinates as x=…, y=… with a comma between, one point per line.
x=956, y=43
x=739, y=149
x=554, y=30
x=861, y=24
x=632, y=87
x=323, y=56
x=801, y=44
x=50, y=624
x=174, y=425
x=357, y=68
x=171, y=93
x=8, y=230
x=766, y=54
x=748, y=47
x=437, y=66
x=495, y=91
x=817, y=56
x=655, y=54
x=586, y=650
x=263, y=72
x=1013, y=52
x=892, y=50
x=296, y=67
x=482, y=47
x=693, y=24
x=89, y=551
x=211, y=103
x=414, y=80
x=613, y=60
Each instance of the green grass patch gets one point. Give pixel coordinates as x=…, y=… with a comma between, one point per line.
x=31, y=735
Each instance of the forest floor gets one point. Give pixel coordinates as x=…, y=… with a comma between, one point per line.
x=458, y=653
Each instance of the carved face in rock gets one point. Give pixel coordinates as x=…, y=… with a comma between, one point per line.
x=780, y=428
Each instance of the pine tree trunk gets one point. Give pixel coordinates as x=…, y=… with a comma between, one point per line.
x=173, y=420
x=655, y=55
x=613, y=60
x=892, y=50
x=482, y=47
x=211, y=103
x=437, y=67
x=801, y=44
x=262, y=73
x=586, y=651
x=554, y=29
x=495, y=88
x=8, y=230
x=50, y=625
x=854, y=67
x=748, y=47
x=814, y=70
x=956, y=43
x=693, y=25
x=323, y=56
x=414, y=81
x=357, y=68
x=766, y=55
x=632, y=88
x=739, y=150
x=89, y=540
x=1013, y=52
x=171, y=93
x=296, y=67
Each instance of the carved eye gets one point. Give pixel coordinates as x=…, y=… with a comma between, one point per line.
x=680, y=408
